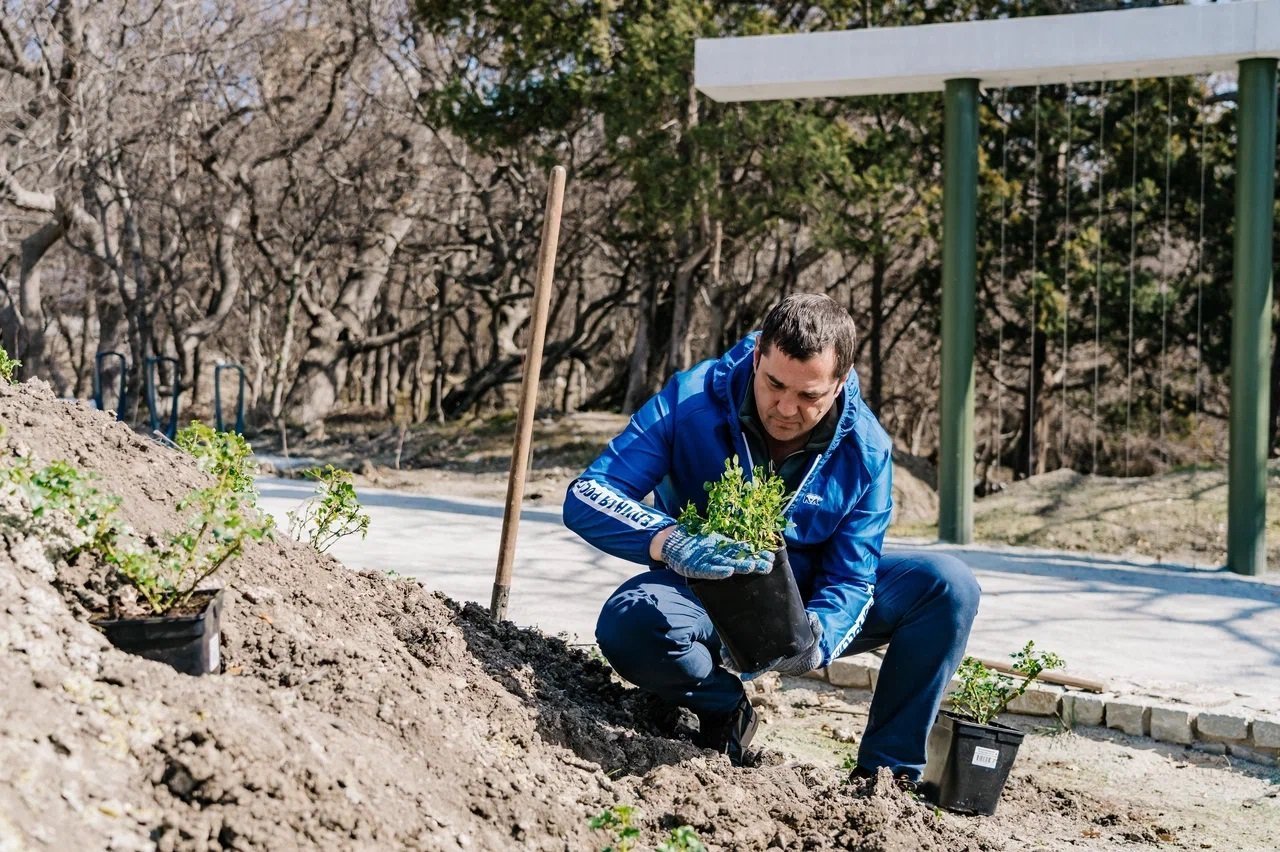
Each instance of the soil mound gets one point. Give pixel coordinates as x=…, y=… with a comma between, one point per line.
x=915, y=489
x=355, y=711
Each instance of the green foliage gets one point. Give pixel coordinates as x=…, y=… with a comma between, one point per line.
x=225, y=455
x=743, y=510
x=682, y=839
x=7, y=366
x=984, y=693
x=219, y=521
x=57, y=494
x=616, y=822
x=333, y=513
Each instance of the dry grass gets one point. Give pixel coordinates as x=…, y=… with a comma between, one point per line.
x=1180, y=516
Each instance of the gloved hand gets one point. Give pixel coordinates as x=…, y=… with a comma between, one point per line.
x=802, y=663
x=808, y=659
x=711, y=556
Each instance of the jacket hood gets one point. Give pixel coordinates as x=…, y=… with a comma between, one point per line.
x=731, y=374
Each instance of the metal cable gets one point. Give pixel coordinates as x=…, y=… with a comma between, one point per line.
x=1035, y=225
x=1164, y=264
x=1097, y=282
x=1133, y=249
x=1066, y=286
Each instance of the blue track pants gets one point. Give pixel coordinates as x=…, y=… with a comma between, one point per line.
x=655, y=633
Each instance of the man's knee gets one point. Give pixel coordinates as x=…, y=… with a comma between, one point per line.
x=633, y=630
x=953, y=581
x=619, y=619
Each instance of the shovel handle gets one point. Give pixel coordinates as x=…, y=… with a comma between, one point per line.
x=528, y=393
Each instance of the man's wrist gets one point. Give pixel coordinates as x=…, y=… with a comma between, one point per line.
x=659, y=539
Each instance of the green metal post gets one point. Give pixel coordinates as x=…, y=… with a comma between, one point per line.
x=959, y=265
x=1251, y=317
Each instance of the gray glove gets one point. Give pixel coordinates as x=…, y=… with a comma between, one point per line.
x=808, y=659
x=711, y=556
x=802, y=663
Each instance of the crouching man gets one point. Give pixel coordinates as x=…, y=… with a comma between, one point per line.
x=786, y=398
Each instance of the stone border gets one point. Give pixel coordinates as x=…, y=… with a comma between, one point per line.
x=1240, y=733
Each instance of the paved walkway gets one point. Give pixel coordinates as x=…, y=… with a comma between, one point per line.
x=1205, y=636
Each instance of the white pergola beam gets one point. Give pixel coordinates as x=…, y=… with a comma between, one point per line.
x=1118, y=45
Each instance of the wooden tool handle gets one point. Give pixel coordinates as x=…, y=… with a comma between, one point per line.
x=528, y=393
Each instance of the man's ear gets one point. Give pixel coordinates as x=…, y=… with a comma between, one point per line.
x=755, y=358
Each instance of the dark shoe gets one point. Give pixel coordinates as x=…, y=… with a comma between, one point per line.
x=904, y=781
x=729, y=734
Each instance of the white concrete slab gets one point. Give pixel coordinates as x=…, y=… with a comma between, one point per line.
x=1114, y=45
x=1168, y=630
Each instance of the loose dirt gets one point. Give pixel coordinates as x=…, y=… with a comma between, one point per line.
x=357, y=711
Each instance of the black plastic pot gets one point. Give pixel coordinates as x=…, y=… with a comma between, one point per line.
x=968, y=763
x=190, y=642
x=759, y=617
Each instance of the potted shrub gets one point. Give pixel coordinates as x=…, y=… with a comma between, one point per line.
x=154, y=604
x=760, y=618
x=969, y=753
x=183, y=625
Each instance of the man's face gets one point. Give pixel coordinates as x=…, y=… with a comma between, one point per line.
x=793, y=396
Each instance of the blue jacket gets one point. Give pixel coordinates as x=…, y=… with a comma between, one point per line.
x=680, y=440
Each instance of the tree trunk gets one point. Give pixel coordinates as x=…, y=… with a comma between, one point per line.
x=1029, y=458
x=875, y=334
x=227, y=270
x=1273, y=433
x=32, y=348
x=638, y=372
x=110, y=324
x=322, y=372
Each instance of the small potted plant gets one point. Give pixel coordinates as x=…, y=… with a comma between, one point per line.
x=969, y=753
x=183, y=624
x=760, y=618
x=149, y=600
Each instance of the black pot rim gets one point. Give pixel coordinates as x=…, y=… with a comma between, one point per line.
x=214, y=595
x=993, y=725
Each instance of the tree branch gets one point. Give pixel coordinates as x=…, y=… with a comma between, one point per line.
x=21, y=197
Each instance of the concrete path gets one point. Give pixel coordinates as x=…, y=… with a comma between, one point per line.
x=1204, y=636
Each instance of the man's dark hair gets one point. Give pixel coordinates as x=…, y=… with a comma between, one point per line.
x=805, y=324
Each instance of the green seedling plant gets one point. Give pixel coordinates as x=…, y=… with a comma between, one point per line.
x=333, y=513
x=219, y=524
x=741, y=509
x=617, y=823
x=165, y=569
x=62, y=506
x=7, y=366
x=984, y=693
x=682, y=839
x=226, y=456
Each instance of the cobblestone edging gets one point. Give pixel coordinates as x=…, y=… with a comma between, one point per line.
x=1241, y=733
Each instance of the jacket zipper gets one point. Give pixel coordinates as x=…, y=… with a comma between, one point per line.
x=786, y=509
